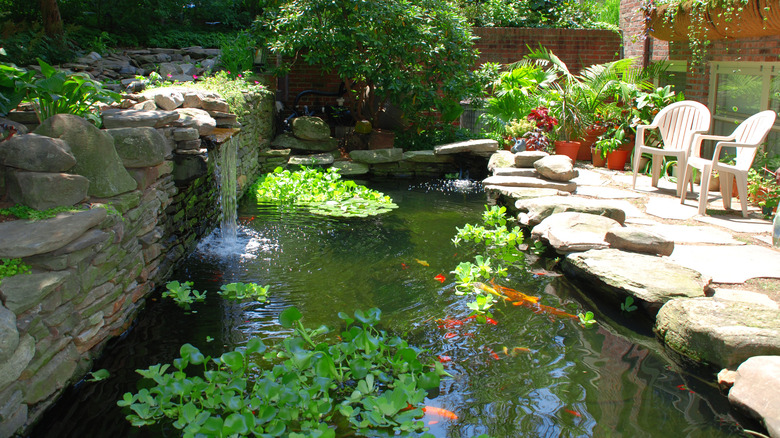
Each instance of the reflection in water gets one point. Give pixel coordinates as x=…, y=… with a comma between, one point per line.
x=530, y=375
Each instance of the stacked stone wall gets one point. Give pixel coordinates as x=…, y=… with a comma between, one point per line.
x=92, y=269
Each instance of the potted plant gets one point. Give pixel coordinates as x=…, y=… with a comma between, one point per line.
x=538, y=139
x=566, y=100
x=764, y=189
x=610, y=146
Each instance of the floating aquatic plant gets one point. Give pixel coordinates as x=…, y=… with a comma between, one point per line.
x=321, y=192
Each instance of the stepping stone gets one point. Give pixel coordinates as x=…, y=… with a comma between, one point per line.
x=514, y=171
x=670, y=208
x=377, y=156
x=739, y=224
x=571, y=231
x=523, y=181
x=650, y=280
x=639, y=240
x=509, y=195
x=588, y=177
x=756, y=391
x=682, y=234
x=528, y=158
x=541, y=208
x=729, y=264
x=351, y=168
x=320, y=160
x=556, y=168
x=602, y=192
x=723, y=333
x=484, y=145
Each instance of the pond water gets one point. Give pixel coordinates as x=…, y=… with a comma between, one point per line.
x=612, y=380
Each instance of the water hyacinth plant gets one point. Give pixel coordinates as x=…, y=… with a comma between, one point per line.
x=368, y=380
x=321, y=192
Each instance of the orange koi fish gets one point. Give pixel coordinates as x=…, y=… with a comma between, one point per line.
x=449, y=323
x=403, y=265
x=491, y=321
x=444, y=359
x=493, y=354
x=515, y=350
x=541, y=308
x=449, y=335
x=575, y=413
x=514, y=295
x=422, y=262
x=441, y=412
x=440, y=277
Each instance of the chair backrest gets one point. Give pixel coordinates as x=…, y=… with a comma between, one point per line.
x=752, y=132
x=679, y=121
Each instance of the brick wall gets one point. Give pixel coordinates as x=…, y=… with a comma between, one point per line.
x=632, y=24
x=578, y=48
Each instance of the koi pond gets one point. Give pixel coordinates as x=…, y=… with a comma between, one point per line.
x=523, y=373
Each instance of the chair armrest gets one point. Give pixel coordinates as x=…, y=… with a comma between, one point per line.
x=728, y=144
x=698, y=137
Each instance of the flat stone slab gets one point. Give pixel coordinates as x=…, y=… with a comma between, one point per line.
x=602, y=192
x=377, y=156
x=514, y=171
x=572, y=231
x=483, y=145
x=738, y=223
x=23, y=238
x=670, y=208
x=351, y=168
x=508, y=195
x=723, y=333
x=640, y=240
x=695, y=235
x=541, y=208
x=526, y=159
x=523, y=181
x=588, y=177
x=650, y=280
x=115, y=118
x=756, y=391
x=310, y=160
x=501, y=159
x=729, y=264
x=426, y=157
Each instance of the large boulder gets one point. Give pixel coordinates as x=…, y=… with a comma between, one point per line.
x=288, y=141
x=650, y=280
x=139, y=147
x=721, y=332
x=96, y=156
x=42, y=190
x=36, y=153
x=572, y=231
x=536, y=210
x=556, y=168
x=310, y=128
x=501, y=159
x=756, y=391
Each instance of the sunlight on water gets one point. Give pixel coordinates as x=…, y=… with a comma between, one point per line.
x=246, y=244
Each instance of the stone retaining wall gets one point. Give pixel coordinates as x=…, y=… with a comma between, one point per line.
x=146, y=202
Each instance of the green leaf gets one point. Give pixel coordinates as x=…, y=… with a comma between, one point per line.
x=288, y=317
x=99, y=375
x=235, y=424
x=233, y=359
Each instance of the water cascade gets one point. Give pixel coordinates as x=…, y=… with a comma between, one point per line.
x=226, y=170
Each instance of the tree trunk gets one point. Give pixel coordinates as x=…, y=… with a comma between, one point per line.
x=52, y=21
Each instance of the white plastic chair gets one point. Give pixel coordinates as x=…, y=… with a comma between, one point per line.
x=677, y=124
x=746, y=139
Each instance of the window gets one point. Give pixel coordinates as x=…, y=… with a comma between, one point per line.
x=676, y=76
x=741, y=89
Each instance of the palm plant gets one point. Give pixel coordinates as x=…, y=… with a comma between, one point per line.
x=516, y=93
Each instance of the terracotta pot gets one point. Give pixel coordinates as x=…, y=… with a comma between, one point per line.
x=591, y=135
x=380, y=139
x=569, y=148
x=597, y=159
x=616, y=160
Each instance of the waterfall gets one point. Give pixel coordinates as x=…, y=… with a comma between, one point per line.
x=226, y=169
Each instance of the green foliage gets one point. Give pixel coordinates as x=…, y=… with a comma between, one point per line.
x=628, y=305
x=499, y=249
x=322, y=192
x=13, y=87
x=241, y=291
x=56, y=92
x=10, y=267
x=295, y=389
x=97, y=376
x=515, y=93
x=24, y=212
x=183, y=294
x=367, y=44
x=233, y=90
x=237, y=54
x=528, y=13
x=587, y=319
x=25, y=44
